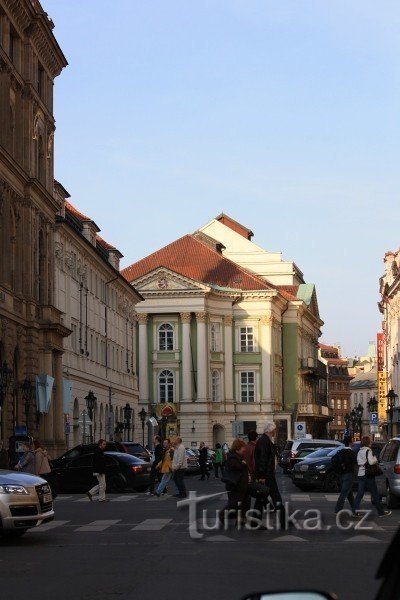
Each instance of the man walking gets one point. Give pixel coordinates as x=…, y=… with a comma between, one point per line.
x=265, y=460
x=249, y=453
x=203, y=457
x=179, y=465
x=158, y=454
x=344, y=463
x=99, y=471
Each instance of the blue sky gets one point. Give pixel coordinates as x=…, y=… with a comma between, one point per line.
x=283, y=114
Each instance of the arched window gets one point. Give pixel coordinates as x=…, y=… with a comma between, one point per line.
x=166, y=386
x=216, y=386
x=165, y=337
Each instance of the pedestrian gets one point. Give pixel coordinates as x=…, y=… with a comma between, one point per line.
x=165, y=468
x=368, y=469
x=265, y=463
x=179, y=465
x=344, y=463
x=4, y=461
x=237, y=483
x=203, y=458
x=218, y=460
x=249, y=453
x=99, y=471
x=27, y=461
x=42, y=465
x=158, y=454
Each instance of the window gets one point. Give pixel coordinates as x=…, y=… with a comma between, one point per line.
x=345, y=404
x=166, y=386
x=332, y=403
x=41, y=79
x=216, y=386
x=166, y=337
x=215, y=337
x=338, y=403
x=339, y=419
x=355, y=399
x=246, y=339
x=361, y=398
x=247, y=386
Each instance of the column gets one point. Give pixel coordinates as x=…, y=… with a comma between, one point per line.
x=266, y=357
x=58, y=401
x=186, y=358
x=228, y=352
x=143, y=358
x=202, y=357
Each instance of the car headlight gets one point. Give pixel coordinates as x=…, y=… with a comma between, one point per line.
x=14, y=489
x=321, y=468
x=303, y=468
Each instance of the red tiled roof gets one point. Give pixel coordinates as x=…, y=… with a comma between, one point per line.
x=289, y=292
x=75, y=212
x=192, y=258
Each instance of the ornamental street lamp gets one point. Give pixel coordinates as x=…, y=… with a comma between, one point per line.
x=359, y=413
x=391, y=402
x=143, y=415
x=91, y=401
x=127, y=417
x=372, y=404
x=27, y=395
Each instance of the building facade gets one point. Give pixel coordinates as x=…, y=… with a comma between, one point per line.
x=339, y=394
x=31, y=328
x=363, y=387
x=98, y=306
x=211, y=342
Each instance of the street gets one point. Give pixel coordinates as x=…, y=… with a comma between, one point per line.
x=138, y=546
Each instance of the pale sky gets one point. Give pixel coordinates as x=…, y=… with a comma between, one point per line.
x=283, y=114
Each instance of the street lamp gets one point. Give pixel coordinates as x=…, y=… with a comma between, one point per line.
x=91, y=401
x=127, y=416
x=359, y=413
x=143, y=415
x=27, y=394
x=391, y=402
x=372, y=404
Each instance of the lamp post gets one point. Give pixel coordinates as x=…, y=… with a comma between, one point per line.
x=127, y=417
x=372, y=408
x=391, y=403
x=143, y=415
x=91, y=401
x=359, y=410
x=27, y=394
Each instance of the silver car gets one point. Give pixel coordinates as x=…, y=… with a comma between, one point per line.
x=25, y=502
x=389, y=482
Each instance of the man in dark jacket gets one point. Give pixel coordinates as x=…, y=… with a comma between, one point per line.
x=344, y=463
x=99, y=471
x=4, y=462
x=158, y=454
x=265, y=460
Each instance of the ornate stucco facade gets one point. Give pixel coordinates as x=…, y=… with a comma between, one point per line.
x=31, y=328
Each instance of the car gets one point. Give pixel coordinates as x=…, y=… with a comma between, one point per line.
x=389, y=483
x=193, y=465
x=138, y=450
x=292, y=447
x=25, y=502
x=123, y=471
x=304, y=453
x=210, y=457
x=317, y=473
x=83, y=449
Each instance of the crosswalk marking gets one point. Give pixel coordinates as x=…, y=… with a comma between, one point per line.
x=300, y=498
x=332, y=497
x=98, y=525
x=151, y=525
x=126, y=498
x=63, y=498
x=51, y=525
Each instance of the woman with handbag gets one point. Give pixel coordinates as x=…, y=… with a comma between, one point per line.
x=368, y=469
x=236, y=479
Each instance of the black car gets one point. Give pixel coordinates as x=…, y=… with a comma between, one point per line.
x=136, y=449
x=83, y=449
x=122, y=471
x=317, y=472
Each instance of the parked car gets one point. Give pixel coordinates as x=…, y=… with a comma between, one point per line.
x=122, y=471
x=138, y=450
x=317, y=472
x=389, y=482
x=304, y=453
x=210, y=457
x=193, y=465
x=83, y=449
x=292, y=448
x=25, y=502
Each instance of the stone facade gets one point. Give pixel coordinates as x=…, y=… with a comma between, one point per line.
x=32, y=332
x=339, y=394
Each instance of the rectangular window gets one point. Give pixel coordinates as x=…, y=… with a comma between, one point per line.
x=246, y=339
x=345, y=404
x=332, y=403
x=215, y=337
x=247, y=386
x=338, y=404
x=216, y=379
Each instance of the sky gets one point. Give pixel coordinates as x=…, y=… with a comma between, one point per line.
x=283, y=114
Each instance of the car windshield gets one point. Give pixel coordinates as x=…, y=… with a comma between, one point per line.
x=320, y=452
x=335, y=450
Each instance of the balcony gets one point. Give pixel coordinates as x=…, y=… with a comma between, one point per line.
x=309, y=366
x=315, y=410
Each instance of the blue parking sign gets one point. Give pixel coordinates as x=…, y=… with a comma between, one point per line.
x=373, y=418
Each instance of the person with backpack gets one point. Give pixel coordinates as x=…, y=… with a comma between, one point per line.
x=344, y=464
x=368, y=469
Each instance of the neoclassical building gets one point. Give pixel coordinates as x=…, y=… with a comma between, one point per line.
x=31, y=328
x=211, y=341
x=98, y=306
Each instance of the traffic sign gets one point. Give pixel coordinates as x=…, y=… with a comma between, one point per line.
x=299, y=429
x=237, y=428
x=373, y=418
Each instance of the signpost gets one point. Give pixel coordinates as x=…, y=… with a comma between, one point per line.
x=85, y=422
x=299, y=429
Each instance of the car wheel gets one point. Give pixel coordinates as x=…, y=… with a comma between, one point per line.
x=116, y=484
x=392, y=501
x=332, y=483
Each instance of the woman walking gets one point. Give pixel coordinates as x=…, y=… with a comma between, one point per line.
x=165, y=468
x=203, y=457
x=367, y=466
x=42, y=465
x=218, y=460
x=237, y=483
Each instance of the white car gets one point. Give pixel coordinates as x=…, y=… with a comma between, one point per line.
x=25, y=502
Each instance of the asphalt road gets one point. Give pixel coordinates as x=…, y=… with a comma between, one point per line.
x=139, y=547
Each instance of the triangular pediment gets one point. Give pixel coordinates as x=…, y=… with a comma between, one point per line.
x=163, y=281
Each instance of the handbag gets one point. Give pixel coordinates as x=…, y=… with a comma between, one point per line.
x=258, y=490
x=372, y=470
x=231, y=477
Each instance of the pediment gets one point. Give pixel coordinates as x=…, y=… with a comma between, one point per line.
x=164, y=280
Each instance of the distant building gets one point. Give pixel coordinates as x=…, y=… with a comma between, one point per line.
x=338, y=388
x=362, y=388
